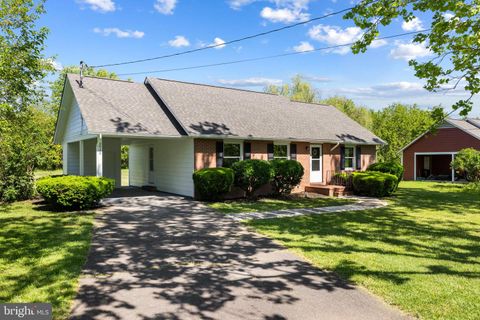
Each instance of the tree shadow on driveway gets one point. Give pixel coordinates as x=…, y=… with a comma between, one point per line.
x=167, y=257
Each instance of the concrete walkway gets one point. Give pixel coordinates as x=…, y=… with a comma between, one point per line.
x=360, y=204
x=166, y=257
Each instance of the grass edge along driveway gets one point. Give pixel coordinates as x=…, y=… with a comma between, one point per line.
x=420, y=253
x=42, y=254
x=272, y=204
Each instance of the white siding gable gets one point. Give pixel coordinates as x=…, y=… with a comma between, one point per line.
x=75, y=125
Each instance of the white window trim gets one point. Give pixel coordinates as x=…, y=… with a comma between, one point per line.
x=354, y=158
x=233, y=142
x=280, y=143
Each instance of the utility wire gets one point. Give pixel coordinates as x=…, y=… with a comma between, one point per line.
x=267, y=57
x=228, y=42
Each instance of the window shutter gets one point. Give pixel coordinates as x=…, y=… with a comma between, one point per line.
x=358, y=155
x=270, y=151
x=293, y=151
x=342, y=158
x=247, y=150
x=219, y=151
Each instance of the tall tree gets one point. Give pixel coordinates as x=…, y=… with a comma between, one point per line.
x=398, y=125
x=362, y=115
x=452, y=38
x=22, y=67
x=22, y=63
x=298, y=90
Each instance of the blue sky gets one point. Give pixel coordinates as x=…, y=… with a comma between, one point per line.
x=108, y=31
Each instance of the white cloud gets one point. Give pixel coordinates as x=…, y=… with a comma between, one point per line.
x=285, y=15
x=179, y=41
x=334, y=35
x=237, y=4
x=286, y=11
x=448, y=16
x=413, y=25
x=250, y=82
x=119, y=33
x=165, y=6
x=218, y=42
x=408, y=51
x=316, y=78
x=386, y=90
x=57, y=65
x=378, y=43
x=303, y=47
x=100, y=5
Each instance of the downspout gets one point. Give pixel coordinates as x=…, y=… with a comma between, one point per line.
x=335, y=146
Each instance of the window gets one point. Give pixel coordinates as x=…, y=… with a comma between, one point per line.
x=232, y=152
x=280, y=151
x=150, y=159
x=349, y=157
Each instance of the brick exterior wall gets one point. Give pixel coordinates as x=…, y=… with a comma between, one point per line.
x=205, y=157
x=303, y=156
x=331, y=161
x=259, y=150
x=443, y=140
x=369, y=156
x=205, y=153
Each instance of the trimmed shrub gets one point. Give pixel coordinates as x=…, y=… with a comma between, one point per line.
x=213, y=183
x=287, y=174
x=467, y=161
x=388, y=167
x=74, y=192
x=251, y=175
x=374, y=184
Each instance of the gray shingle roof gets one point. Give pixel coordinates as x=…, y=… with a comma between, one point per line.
x=210, y=110
x=116, y=107
x=467, y=126
x=475, y=122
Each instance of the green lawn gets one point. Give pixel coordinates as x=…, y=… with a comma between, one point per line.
x=266, y=204
x=44, y=173
x=125, y=181
x=421, y=253
x=41, y=254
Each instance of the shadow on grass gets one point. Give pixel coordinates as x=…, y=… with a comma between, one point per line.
x=424, y=223
x=42, y=254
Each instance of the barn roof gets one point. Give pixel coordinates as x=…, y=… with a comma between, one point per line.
x=470, y=126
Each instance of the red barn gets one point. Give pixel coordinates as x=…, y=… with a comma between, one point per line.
x=428, y=157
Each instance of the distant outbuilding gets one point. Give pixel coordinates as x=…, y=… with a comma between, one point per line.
x=428, y=157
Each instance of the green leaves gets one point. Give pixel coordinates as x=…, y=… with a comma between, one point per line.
x=453, y=38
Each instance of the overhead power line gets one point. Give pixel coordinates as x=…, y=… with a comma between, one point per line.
x=227, y=42
x=267, y=57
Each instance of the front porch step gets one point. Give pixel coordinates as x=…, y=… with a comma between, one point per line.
x=327, y=190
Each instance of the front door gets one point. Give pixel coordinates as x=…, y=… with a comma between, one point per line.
x=151, y=166
x=316, y=163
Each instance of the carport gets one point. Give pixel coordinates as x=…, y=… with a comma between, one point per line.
x=434, y=166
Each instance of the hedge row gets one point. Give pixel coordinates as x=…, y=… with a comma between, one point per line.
x=74, y=192
x=374, y=183
x=388, y=167
x=249, y=175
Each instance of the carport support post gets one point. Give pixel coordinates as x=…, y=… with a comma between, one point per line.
x=99, y=156
x=82, y=158
x=453, y=170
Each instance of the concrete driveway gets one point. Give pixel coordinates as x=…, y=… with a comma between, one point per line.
x=158, y=256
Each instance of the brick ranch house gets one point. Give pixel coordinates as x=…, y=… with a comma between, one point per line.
x=174, y=128
x=428, y=157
